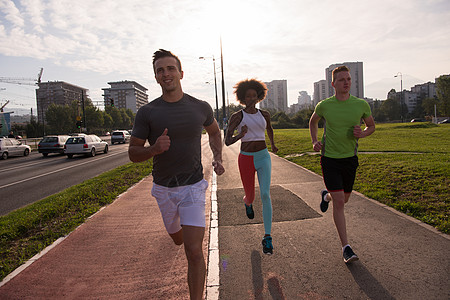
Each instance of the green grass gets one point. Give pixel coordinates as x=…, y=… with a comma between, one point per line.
x=27, y=231
x=409, y=170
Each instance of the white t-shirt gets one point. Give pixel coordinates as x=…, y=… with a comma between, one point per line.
x=256, y=125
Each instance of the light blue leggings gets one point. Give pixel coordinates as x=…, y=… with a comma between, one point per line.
x=259, y=162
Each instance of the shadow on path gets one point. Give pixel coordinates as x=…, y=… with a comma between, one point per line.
x=369, y=284
x=273, y=284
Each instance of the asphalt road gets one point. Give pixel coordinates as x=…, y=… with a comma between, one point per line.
x=25, y=180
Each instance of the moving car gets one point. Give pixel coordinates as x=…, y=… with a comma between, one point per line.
x=446, y=121
x=12, y=147
x=52, y=144
x=418, y=120
x=88, y=145
x=120, y=136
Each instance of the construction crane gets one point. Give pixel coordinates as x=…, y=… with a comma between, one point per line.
x=23, y=81
x=3, y=106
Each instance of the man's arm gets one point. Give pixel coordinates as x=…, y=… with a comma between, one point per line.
x=313, y=130
x=137, y=152
x=370, y=128
x=215, y=143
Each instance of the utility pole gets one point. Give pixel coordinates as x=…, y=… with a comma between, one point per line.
x=223, y=84
x=82, y=104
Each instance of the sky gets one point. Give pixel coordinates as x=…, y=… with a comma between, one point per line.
x=89, y=43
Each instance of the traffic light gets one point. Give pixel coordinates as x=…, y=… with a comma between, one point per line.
x=112, y=102
x=79, y=123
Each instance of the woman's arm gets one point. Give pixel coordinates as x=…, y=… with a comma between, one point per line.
x=269, y=130
x=235, y=119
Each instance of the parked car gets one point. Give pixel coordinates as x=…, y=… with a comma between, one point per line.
x=52, y=144
x=446, y=121
x=12, y=147
x=88, y=145
x=418, y=120
x=120, y=136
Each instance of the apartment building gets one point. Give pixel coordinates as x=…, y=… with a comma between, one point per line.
x=416, y=95
x=59, y=93
x=126, y=94
x=320, y=88
x=276, y=98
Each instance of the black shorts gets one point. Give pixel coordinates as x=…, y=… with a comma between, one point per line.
x=339, y=173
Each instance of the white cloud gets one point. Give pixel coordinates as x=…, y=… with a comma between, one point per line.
x=12, y=13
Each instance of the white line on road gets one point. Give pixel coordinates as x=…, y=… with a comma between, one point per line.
x=56, y=171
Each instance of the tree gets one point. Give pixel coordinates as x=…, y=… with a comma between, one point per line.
x=126, y=119
x=33, y=128
x=107, y=121
x=427, y=107
x=390, y=109
x=94, y=120
x=301, y=118
x=59, y=119
x=443, y=94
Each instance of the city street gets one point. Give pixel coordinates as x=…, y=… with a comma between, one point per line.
x=24, y=180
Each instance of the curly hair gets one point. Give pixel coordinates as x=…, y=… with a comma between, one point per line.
x=164, y=53
x=242, y=86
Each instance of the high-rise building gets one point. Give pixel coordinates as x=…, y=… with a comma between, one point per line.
x=320, y=88
x=356, y=72
x=126, y=94
x=304, y=99
x=59, y=93
x=276, y=98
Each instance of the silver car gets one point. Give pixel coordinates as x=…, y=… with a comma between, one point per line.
x=52, y=144
x=12, y=147
x=120, y=136
x=88, y=145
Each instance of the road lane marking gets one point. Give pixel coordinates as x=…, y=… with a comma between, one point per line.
x=56, y=171
x=43, y=162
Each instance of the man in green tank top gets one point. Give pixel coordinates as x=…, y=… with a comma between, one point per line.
x=343, y=115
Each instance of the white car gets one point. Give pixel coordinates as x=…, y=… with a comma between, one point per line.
x=12, y=147
x=88, y=145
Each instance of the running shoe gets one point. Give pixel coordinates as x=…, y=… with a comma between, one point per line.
x=267, y=245
x=323, y=203
x=249, y=211
x=349, y=255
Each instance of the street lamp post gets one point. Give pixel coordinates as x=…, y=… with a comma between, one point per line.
x=223, y=85
x=401, y=94
x=215, y=86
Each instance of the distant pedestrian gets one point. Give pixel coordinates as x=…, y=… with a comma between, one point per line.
x=252, y=123
x=173, y=125
x=11, y=134
x=343, y=115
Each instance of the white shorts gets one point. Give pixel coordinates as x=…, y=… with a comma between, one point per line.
x=181, y=205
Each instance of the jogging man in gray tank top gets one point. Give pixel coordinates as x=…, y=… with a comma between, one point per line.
x=173, y=124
